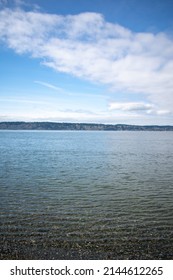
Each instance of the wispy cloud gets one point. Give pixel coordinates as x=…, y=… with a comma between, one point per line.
x=2, y=2
x=88, y=47
x=16, y=3
x=68, y=92
x=48, y=85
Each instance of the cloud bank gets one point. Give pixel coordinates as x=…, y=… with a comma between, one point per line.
x=90, y=48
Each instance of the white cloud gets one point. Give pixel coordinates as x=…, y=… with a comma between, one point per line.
x=130, y=106
x=81, y=116
x=163, y=112
x=138, y=108
x=88, y=47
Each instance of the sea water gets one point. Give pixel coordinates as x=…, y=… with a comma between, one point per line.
x=86, y=195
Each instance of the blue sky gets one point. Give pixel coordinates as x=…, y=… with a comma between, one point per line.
x=101, y=61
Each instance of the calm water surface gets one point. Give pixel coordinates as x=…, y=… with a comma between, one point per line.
x=86, y=195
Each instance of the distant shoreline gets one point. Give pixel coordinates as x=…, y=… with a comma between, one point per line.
x=81, y=126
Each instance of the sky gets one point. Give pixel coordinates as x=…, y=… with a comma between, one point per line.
x=90, y=61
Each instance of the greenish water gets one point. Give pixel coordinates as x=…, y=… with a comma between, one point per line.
x=86, y=195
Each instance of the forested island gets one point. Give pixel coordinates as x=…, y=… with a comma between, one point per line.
x=81, y=126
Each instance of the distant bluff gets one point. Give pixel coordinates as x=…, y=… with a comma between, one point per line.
x=81, y=126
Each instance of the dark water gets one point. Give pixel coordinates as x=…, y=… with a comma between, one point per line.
x=86, y=195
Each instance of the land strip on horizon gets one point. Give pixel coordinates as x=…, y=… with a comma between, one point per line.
x=81, y=126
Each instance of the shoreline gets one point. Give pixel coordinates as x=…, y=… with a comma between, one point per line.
x=132, y=249
x=61, y=126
